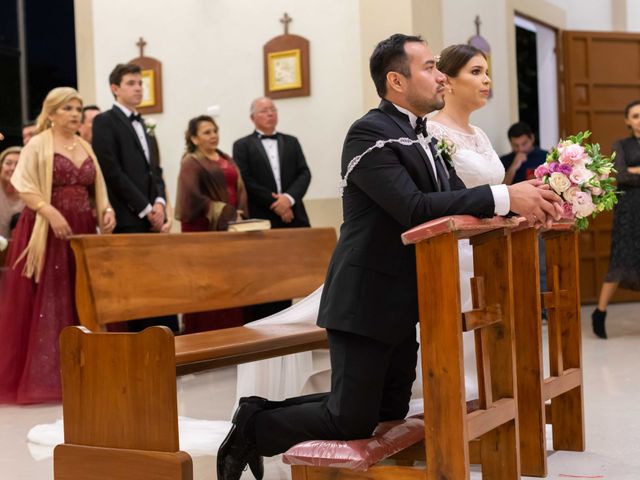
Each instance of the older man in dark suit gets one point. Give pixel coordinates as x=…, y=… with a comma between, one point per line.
x=273, y=168
x=128, y=156
x=276, y=176
x=369, y=302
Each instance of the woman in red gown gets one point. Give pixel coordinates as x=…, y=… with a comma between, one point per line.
x=59, y=179
x=210, y=194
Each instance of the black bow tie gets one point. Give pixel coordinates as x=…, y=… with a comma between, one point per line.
x=262, y=136
x=421, y=127
x=135, y=116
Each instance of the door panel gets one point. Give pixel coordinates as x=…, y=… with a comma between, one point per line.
x=601, y=76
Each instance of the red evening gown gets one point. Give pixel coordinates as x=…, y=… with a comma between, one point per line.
x=224, y=318
x=32, y=315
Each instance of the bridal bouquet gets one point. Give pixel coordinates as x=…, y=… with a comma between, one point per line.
x=580, y=174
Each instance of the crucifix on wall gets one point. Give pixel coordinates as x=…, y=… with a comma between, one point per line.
x=286, y=64
x=151, y=70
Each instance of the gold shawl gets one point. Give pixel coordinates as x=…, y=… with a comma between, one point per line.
x=34, y=175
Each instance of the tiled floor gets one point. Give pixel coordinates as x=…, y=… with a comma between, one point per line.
x=612, y=402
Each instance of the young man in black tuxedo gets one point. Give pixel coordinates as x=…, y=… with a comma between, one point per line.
x=128, y=156
x=276, y=176
x=369, y=302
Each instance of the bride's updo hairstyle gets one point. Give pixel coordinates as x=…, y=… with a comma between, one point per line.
x=455, y=57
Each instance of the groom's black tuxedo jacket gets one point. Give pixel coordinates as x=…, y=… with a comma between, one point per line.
x=253, y=162
x=370, y=287
x=132, y=181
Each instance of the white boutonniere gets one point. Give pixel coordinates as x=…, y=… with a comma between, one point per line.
x=150, y=126
x=3, y=243
x=446, y=149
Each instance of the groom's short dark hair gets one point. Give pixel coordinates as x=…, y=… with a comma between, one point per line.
x=390, y=56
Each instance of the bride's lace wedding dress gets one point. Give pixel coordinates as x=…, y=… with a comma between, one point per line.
x=476, y=163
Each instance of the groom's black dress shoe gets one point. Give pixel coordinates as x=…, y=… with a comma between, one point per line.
x=237, y=450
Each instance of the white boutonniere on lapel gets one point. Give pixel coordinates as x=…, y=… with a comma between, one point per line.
x=446, y=149
x=150, y=126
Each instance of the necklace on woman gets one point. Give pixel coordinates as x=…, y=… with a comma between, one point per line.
x=70, y=148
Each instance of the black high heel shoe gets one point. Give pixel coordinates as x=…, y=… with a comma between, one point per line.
x=598, y=318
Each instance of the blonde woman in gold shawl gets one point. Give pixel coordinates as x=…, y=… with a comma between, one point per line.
x=59, y=180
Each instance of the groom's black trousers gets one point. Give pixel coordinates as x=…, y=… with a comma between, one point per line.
x=370, y=383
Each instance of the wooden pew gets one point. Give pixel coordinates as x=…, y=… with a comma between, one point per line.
x=453, y=437
x=563, y=388
x=119, y=389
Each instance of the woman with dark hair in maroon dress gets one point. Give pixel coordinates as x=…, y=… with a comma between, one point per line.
x=210, y=195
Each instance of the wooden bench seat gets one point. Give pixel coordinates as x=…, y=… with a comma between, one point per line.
x=119, y=389
x=233, y=346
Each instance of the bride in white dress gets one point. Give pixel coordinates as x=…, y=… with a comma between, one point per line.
x=476, y=163
x=474, y=159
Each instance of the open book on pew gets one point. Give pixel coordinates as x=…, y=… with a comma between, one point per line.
x=249, y=225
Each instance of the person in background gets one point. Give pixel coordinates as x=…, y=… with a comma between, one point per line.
x=210, y=194
x=86, y=127
x=127, y=151
x=624, y=264
x=28, y=130
x=59, y=180
x=10, y=202
x=525, y=156
x=520, y=165
x=277, y=177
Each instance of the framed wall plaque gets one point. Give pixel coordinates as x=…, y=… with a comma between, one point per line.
x=286, y=67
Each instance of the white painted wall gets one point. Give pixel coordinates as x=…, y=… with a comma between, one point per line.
x=594, y=15
x=212, y=55
x=459, y=26
x=633, y=16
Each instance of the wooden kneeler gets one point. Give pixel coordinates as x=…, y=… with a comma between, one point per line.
x=454, y=437
x=564, y=386
x=448, y=427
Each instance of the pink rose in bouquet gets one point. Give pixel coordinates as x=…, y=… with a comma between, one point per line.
x=580, y=174
x=572, y=154
x=582, y=205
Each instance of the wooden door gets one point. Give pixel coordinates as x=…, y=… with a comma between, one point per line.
x=601, y=76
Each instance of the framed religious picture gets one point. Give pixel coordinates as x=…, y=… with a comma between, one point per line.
x=284, y=70
x=286, y=67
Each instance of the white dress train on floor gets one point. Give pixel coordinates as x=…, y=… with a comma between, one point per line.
x=281, y=377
